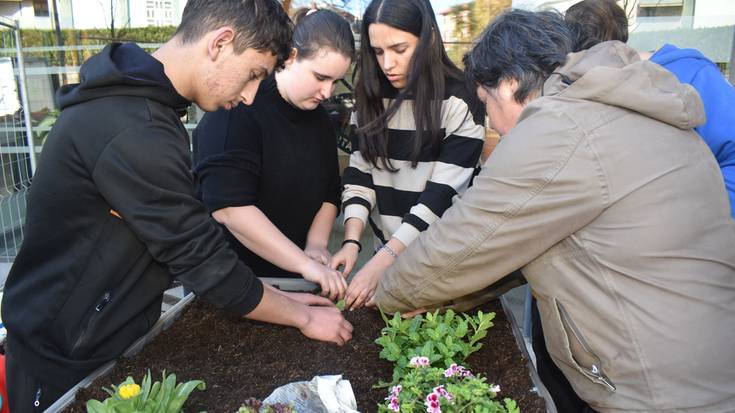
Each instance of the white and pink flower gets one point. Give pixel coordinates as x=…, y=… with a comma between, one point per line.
x=455, y=370
x=433, y=399
x=393, y=398
x=419, y=361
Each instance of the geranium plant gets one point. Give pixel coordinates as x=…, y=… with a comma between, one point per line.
x=163, y=396
x=452, y=390
x=443, y=339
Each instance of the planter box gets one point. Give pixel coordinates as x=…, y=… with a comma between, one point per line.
x=162, y=324
x=239, y=358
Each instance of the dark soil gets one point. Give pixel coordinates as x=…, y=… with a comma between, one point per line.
x=238, y=358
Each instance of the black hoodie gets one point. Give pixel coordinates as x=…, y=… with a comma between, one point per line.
x=111, y=220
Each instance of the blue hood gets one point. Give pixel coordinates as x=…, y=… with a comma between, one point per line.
x=718, y=96
x=688, y=61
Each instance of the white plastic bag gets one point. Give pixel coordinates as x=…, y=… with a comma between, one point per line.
x=323, y=394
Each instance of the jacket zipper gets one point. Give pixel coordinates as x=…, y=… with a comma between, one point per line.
x=593, y=372
x=98, y=308
x=37, y=401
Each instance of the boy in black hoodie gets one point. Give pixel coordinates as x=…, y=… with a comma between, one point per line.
x=112, y=218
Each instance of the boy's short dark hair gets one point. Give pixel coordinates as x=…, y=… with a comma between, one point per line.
x=262, y=25
x=596, y=21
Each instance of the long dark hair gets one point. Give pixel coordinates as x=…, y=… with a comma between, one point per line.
x=429, y=67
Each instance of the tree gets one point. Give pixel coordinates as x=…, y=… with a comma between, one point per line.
x=339, y=4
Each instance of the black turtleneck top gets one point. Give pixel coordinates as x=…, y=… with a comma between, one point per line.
x=271, y=155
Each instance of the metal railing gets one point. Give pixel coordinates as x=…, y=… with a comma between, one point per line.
x=17, y=160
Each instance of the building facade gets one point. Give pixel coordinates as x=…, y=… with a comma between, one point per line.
x=93, y=14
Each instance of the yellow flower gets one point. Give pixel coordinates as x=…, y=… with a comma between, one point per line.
x=129, y=390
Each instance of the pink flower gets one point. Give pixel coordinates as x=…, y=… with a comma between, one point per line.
x=419, y=361
x=441, y=391
x=393, y=403
x=433, y=407
x=457, y=370
x=495, y=389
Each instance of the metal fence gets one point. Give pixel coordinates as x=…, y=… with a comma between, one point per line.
x=17, y=160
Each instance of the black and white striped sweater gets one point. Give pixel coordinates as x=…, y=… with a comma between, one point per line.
x=411, y=199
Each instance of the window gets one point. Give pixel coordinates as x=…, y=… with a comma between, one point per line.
x=660, y=11
x=40, y=8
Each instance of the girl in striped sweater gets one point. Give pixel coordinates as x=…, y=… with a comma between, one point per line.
x=418, y=137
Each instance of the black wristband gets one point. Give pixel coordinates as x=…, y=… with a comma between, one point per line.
x=353, y=241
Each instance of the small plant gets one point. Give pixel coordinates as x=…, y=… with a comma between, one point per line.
x=443, y=339
x=340, y=305
x=163, y=396
x=253, y=405
x=451, y=390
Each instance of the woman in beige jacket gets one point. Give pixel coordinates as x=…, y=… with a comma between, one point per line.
x=614, y=209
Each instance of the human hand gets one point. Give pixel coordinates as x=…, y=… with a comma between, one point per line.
x=327, y=324
x=331, y=282
x=345, y=257
x=363, y=285
x=319, y=254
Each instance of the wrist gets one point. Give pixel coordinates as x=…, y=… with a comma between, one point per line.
x=303, y=315
x=352, y=243
x=304, y=264
x=316, y=244
x=389, y=251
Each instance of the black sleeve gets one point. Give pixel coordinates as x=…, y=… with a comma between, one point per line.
x=143, y=174
x=227, y=158
x=333, y=194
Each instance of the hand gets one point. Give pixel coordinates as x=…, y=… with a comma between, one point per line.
x=308, y=299
x=331, y=282
x=319, y=254
x=363, y=285
x=327, y=324
x=346, y=257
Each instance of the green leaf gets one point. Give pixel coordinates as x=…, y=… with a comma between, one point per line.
x=511, y=406
x=155, y=392
x=415, y=323
x=182, y=393
x=443, y=349
x=461, y=330
x=95, y=406
x=428, y=349
x=393, y=351
x=395, y=322
x=341, y=305
x=449, y=316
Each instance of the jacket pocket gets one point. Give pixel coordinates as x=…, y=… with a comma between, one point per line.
x=580, y=353
x=86, y=332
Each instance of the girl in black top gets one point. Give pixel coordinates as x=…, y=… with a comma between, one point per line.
x=268, y=172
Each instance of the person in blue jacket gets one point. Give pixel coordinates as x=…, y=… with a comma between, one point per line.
x=692, y=67
x=596, y=21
